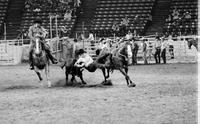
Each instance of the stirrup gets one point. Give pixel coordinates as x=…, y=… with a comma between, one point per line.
x=55, y=62
x=31, y=67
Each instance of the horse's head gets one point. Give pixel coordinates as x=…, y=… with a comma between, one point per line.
x=38, y=46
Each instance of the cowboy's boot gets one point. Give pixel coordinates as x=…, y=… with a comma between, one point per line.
x=62, y=65
x=51, y=57
x=31, y=61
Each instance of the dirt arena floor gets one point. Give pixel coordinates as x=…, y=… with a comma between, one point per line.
x=165, y=94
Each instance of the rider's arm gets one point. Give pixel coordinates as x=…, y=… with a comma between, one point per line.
x=91, y=37
x=43, y=33
x=30, y=34
x=80, y=60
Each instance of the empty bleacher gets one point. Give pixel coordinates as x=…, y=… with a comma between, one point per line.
x=108, y=11
x=3, y=11
x=183, y=6
x=29, y=17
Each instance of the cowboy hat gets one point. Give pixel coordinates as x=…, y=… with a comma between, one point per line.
x=38, y=20
x=81, y=51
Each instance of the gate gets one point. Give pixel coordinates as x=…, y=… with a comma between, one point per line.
x=10, y=52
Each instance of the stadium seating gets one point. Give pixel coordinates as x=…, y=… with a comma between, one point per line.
x=3, y=10
x=184, y=28
x=29, y=16
x=108, y=11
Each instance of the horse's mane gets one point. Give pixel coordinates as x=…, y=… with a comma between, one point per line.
x=121, y=46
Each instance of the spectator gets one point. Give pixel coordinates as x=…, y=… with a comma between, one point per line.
x=77, y=47
x=115, y=28
x=68, y=15
x=25, y=35
x=175, y=14
x=187, y=17
x=129, y=36
x=91, y=39
x=130, y=53
x=37, y=10
x=149, y=50
x=124, y=24
x=144, y=50
x=135, y=33
x=77, y=3
x=125, y=21
x=135, y=49
x=136, y=19
x=169, y=19
x=163, y=50
x=157, y=47
x=27, y=5
x=149, y=19
x=171, y=47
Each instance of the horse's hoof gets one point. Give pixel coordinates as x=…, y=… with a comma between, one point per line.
x=132, y=85
x=49, y=84
x=84, y=82
x=108, y=82
x=40, y=82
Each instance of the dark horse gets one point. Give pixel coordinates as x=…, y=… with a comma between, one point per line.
x=40, y=60
x=118, y=60
x=107, y=62
x=193, y=42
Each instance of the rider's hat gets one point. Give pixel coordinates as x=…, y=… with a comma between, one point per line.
x=38, y=20
x=157, y=37
x=81, y=51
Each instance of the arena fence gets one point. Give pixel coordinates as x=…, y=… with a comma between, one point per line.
x=10, y=52
x=14, y=52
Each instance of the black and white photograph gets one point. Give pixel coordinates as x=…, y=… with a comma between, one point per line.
x=99, y=61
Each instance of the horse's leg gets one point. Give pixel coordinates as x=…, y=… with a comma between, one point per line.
x=81, y=77
x=66, y=74
x=108, y=73
x=39, y=75
x=126, y=76
x=73, y=78
x=104, y=74
x=47, y=72
x=126, y=71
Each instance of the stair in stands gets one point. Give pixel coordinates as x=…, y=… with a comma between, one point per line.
x=85, y=17
x=159, y=15
x=13, y=19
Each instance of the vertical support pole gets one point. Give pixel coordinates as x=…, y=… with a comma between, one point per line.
x=50, y=19
x=22, y=38
x=5, y=32
x=56, y=23
x=114, y=36
x=83, y=35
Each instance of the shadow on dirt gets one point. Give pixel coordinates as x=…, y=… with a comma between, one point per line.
x=59, y=83
x=62, y=83
x=19, y=87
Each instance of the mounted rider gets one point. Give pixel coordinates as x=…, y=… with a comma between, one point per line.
x=105, y=51
x=37, y=30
